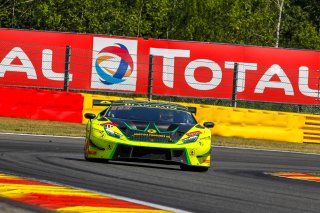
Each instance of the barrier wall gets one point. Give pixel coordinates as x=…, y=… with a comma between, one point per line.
x=229, y=122
x=41, y=104
x=237, y=122
x=258, y=124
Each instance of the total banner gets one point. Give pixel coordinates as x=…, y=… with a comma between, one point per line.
x=179, y=68
x=263, y=74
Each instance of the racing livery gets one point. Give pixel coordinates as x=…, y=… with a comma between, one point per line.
x=148, y=131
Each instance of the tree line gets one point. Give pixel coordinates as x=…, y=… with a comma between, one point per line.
x=283, y=23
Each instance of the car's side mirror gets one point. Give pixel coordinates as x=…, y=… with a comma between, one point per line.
x=89, y=116
x=208, y=124
x=193, y=110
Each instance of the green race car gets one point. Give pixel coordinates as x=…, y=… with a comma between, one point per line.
x=148, y=131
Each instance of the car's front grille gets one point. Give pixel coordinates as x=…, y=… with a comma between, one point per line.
x=150, y=153
x=151, y=137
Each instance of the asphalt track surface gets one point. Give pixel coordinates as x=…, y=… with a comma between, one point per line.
x=237, y=181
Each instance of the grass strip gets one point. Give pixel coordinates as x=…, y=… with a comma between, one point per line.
x=41, y=127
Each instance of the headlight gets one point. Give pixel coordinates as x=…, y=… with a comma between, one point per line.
x=190, y=139
x=112, y=133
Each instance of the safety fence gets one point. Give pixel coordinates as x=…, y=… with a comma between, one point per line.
x=203, y=75
x=63, y=106
x=188, y=71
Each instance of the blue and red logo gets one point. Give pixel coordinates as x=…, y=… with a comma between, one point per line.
x=114, y=64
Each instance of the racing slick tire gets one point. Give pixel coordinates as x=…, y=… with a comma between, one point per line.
x=184, y=167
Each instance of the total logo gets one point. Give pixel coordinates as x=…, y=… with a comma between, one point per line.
x=110, y=56
x=114, y=64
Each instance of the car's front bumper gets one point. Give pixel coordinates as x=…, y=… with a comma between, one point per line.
x=193, y=154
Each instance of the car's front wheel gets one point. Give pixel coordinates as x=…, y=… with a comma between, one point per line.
x=87, y=158
x=194, y=168
x=86, y=149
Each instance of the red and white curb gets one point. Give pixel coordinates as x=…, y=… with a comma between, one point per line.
x=59, y=198
x=297, y=176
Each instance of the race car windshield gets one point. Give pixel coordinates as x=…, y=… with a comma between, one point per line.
x=150, y=114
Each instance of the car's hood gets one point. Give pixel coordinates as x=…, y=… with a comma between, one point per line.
x=151, y=131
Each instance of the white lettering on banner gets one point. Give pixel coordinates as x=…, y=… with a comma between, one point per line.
x=265, y=82
x=213, y=66
x=47, y=67
x=26, y=66
x=168, y=62
x=304, y=85
x=242, y=68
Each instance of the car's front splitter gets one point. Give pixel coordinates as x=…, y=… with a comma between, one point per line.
x=150, y=153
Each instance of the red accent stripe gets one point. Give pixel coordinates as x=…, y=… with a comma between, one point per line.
x=294, y=175
x=299, y=176
x=314, y=179
x=62, y=201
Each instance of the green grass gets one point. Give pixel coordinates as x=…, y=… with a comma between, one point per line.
x=17, y=125
x=40, y=127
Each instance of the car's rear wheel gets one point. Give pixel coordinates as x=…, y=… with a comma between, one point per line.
x=194, y=168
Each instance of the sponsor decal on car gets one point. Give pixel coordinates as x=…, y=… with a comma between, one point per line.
x=152, y=135
x=152, y=131
x=108, y=125
x=190, y=134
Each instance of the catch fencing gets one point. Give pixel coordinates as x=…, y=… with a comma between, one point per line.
x=221, y=74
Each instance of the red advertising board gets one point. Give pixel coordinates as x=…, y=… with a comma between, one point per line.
x=180, y=68
x=31, y=58
x=41, y=104
x=193, y=69
x=264, y=74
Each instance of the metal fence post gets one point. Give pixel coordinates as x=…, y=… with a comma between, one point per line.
x=150, y=79
x=234, y=85
x=67, y=69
